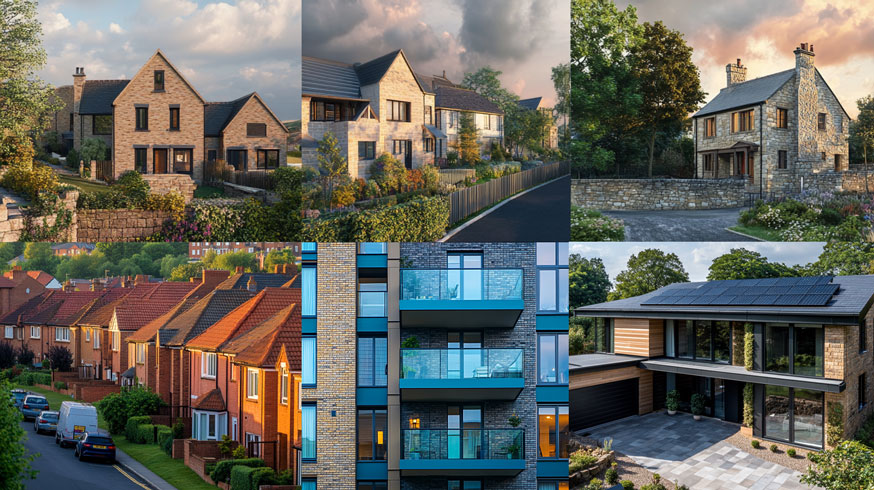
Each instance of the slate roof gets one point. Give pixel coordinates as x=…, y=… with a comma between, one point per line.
x=98, y=95
x=261, y=345
x=212, y=401
x=217, y=115
x=262, y=280
x=200, y=316
x=329, y=78
x=431, y=82
x=747, y=93
x=464, y=100
x=373, y=70
x=532, y=103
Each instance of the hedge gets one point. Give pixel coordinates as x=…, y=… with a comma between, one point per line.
x=59, y=385
x=131, y=428
x=222, y=471
x=164, y=433
x=146, y=433
x=422, y=219
x=241, y=477
x=30, y=379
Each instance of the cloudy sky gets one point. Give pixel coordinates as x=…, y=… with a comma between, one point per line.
x=763, y=33
x=696, y=256
x=226, y=49
x=522, y=38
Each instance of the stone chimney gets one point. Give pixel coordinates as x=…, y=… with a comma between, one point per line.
x=78, y=85
x=808, y=96
x=252, y=285
x=735, y=73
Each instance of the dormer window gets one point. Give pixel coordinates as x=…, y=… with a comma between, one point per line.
x=159, y=80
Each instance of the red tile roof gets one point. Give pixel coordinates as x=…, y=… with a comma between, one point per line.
x=25, y=309
x=212, y=401
x=7, y=283
x=99, y=312
x=41, y=277
x=261, y=345
x=148, y=301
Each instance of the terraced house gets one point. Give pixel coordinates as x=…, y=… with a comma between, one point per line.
x=434, y=366
x=157, y=123
x=787, y=357
x=383, y=106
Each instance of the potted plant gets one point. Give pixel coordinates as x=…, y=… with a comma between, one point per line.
x=514, y=421
x=672, y=401
x=697, y=403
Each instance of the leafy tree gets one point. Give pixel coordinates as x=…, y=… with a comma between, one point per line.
x=14, y=460
x=844, y=259
x=230, y=261
x=285, y=215
x=669, y=82
x=24, y=355
x=278, y=257
x=588, y=281
x=486, y=82
x=7, y=355
x=39, y=256
x=741, y=263
x=849, y=466
x=647, y=271
x=863, y=129
x=581, y=337
x=169, y=263
x=467, y=145
x=332, y=164
x=95, y=149
x=184, y=272
x=116, y=408
x=561, y=79
x=60, y=357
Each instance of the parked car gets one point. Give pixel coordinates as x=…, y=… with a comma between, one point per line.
x=96, y=445
x=33, y=405
x=18, y=396
x=74, y=421
x=46, y=422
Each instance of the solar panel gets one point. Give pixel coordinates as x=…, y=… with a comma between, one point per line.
x=824, y=289
x=765, y=299
x=768, y=282
x=799, y=289
x=789, y=300
x=784, y=291
x=815, y=300
x=823, y=280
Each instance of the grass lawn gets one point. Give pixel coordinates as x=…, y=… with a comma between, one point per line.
x=206, y=192
x=55, y=400
x=763, y=233
x=82, y=184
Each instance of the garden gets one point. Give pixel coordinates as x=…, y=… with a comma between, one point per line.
x=594, y=465
x=589, y=225
x=811, y=217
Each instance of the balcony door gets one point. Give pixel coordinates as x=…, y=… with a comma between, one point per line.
x=465, y=355
x=465, y=276
x=464, y=437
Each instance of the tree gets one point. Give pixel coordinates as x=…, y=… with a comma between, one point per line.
x=94, y=149
x=741, y=263
x=279, y=257
x=647, y=271
x=60, y=357
x=486, y=82
x=26, y=102
x=24, y=355
x=7, y=355
x=39, y=256
x=14, y=462
x=844, y=259
x=588, y=281
x=669, y=82
x=184, y=272
x=849, y=466
x=467, y=145
x=863, y=129
x=561, y=80
x=230, y=261
x=332, y=164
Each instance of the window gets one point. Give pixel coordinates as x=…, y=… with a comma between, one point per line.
x=782, y=118
x=552, y=359
x=794, y=349
x=708, y=162
x=211, y=155
x=267, y=159
x=464, y=485
x=256, y=130
x=34, y=332
x=822, y=156
x=159, y=80
x=700, y=340
x=552, y=485
x=552, y=277
x=97, y=339
x=399, y=111
x=308, y=356
x=428, y=118
x=820, y=121
x=174, y=119
x=839, y=123
x=371, y=299
x=782, y=159
x=553, y=431
x=368, y=248
x=863, y=389
x=742, y=121
x=308, y=483
x=603, y=337
x=252, y=383
x=372, y=425
x=372, y=485
x=863, y=337
x=308, y=290
x=209, y=365
x=308, y=431
x=710, y=127
x=10, y=331
x=182, y=160
x=465, y=275
x=401, y=146
x=793, y=415
x=252, y=444
x=101, y=125
x=116, y=341
x=837, y=163
x=140, y=159
x=366, y=150
x=429, y=145
x=283, y=387
x=142, y=119
x=487, y=121
x=238, y=159
x=372, y=361
x=62, y=334
x=208, y=426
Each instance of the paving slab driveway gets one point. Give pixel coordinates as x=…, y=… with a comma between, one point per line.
x=701, y=225
x=694, y=453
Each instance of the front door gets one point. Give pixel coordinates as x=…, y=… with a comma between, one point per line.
x=464, y=437
x=160, y=161
x=740, y=163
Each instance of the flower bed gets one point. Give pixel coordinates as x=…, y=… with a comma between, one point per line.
x=587, y=461
x=588, y=225
x=813, y=217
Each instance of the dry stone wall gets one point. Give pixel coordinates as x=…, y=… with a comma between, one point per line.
x=657, y=194
x=118, y=225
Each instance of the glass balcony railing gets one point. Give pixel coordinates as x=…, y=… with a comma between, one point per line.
x=463, y=444
x=461, y=284
x=437, y=364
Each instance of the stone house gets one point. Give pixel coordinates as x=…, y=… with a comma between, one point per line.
x=809, y=339
x=383, y=106
x=775, y=131
x=157, y=123
x=549, y=140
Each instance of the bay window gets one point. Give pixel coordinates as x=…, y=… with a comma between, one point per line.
x=208, y=426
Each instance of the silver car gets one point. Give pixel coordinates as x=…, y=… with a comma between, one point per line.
x=46, y=422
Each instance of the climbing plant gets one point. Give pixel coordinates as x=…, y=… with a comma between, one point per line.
x=748, y=346
x=835, y=430
x=748, y=405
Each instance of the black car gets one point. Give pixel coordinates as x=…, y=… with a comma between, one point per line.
x=95, y=445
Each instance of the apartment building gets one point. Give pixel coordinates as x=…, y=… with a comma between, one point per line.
x=434, y=366
x=787, y=357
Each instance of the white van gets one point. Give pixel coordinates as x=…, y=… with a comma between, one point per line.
x=74, y=420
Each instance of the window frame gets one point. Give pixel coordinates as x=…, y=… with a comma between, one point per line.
x=62, y=330
x=115, y=341
x=141, y=119
x=693, y=348
x=159, y=81
x=782, y=118
x=9, y=332
x=34, y=328
x=559, y=371
x=782, y=159
x=863, y=336
x=140, y=353
x=558, y=440
x=283, y=387
x=305, y=406
x=373, y=434
x=314, y=367
x=250, y=127
x=743, y=121
x=821, y=122
x=366, y=150
x=708, y=162
x=252, y=388
x=141, y=167
x=373, y=372
x=399, y=111
x=94, y=125
x=792, y=353
x=791, y=413
x=208, y=362
x=175, y=110
x=265, y=163
x=862, y=391
x=710, y=127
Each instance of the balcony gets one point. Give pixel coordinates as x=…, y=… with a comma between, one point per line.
x=461, y=374
x=461, y=298
x=463, y=452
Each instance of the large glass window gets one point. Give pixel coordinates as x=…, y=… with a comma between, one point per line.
x=603, y=335
x=308, y=290
x=372, y=426
x=308, y=360
x=308, y=484
x=794, y=349
x=371, y=299
x=553, y=431
x=722, y=341
x=465, y=276
x=777, y=412
x=777, y=348
x=702, y=340
x=552, y=485
x=372, y=361
x=794, y=415
x=809, y=345
x=699, y=340
x=552, y=277
x=308, y=431
x=366, y=248
x=552, y=353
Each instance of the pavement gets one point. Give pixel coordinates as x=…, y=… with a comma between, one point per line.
x=57, y=467
x=701, y=225
x=541, y=214
x=694, y=453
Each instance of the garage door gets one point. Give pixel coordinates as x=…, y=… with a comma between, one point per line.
x=600, y=404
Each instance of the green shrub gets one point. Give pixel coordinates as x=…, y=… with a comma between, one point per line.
x=835, y=424
x=132, y=185
x=145, y=434
x=791, y=452
x=422, y=219
x=594, y=484
x=239, y=452
x=773, y=448
x=611, y=476
x=222, y=471
x=748, y=405
x=30, y=180
x=260, y=476
x=132, y=427
x=179, y=429
x=830, y=217
x=59, y=385
x=241, y=477
x=627, y=485
x=93, y=149
x=164, y=433
x=755, y=444
x=588, y=225
x=117, y=408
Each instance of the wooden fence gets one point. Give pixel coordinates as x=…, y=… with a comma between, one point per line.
x=465, y=202
x=216, y=172
x=452, y=176
x=103, y=169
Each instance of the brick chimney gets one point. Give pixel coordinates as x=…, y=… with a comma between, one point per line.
x=252, y=285
x=278, y=269
x=808, y=96
x=239, y=269
x=18, y=274
x=69, y=286
x=735, y=73
x=96, y=285
x=141, y=279
x=214, y=274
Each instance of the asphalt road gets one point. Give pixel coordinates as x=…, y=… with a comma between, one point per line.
x=541, y=215
x=702, y=225
x=58, y=468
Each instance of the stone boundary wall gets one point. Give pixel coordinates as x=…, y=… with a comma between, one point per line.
x=164, y=183
x=847, y=181
x=11, y=228
x=657, y=194
x=118, y=225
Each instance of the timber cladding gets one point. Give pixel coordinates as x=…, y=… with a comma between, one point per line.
x=639, y=337
x=596, y=378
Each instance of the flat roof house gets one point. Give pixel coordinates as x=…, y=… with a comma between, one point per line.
x=787, y=357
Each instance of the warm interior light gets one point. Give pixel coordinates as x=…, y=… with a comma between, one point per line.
x=414, y=423
x=379, y=437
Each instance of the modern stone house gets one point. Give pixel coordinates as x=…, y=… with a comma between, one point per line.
x=383, y=106
x=157, y=123
x=776, y=132
x=793, y=353
x=416, y=357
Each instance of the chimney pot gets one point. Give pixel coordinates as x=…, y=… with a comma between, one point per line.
x=811, y=48
x=738, y=62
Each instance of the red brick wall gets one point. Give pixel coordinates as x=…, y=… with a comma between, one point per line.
x=162, y=373
x=93, y=393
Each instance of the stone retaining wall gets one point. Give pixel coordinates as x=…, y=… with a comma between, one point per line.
x=11, y=228
x=118, y=225
x=657, y=194
x=164, y=183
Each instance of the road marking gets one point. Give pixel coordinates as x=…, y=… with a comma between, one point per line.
x=129, y=477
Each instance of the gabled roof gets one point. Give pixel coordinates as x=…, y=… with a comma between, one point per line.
x=372, y=71
x=431, y=82
x=26, y=309
x=262, y=280
x=217, y=115
x=98, y=313
x=149, y=301
x=751, y=92
x=531, y=104
x=178, y=73
x=213, y=401
x=261, y=345
x=98, y=96
x=463, y=99
x=342, y=80
x=41, y=277
x=201, y=315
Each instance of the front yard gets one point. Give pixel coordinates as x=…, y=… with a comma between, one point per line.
x=810, y=217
